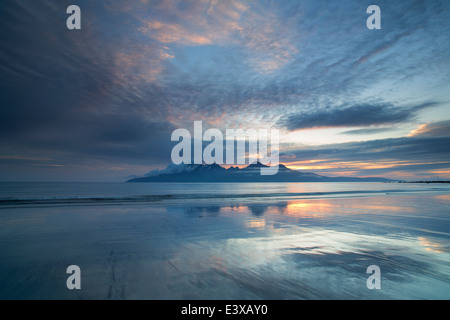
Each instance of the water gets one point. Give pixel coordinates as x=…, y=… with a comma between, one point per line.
x=224, y=241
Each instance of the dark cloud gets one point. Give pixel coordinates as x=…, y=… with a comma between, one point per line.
x=352, y=116
x=436, y=129
x=367, y=131
x=64, y=96
x=112, y=92
x=410, y=154
x=413, y=148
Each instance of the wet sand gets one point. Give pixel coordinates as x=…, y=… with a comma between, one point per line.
x=230, y=249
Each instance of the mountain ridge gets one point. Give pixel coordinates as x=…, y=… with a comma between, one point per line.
x=251, y=173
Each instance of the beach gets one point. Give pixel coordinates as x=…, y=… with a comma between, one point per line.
x=234, y=241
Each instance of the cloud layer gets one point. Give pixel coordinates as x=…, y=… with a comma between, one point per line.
x=109, y=95
x=353, y=116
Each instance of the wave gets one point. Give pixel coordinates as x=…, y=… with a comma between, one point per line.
x=192, y=196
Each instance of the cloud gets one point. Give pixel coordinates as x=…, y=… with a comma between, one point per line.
x=418, y=149
x=171, y=32
x=383, y=157
x=367, y=131
x=435, y=129
x=383, y=47
x=224, y=23
x=112, y=92
x=352, y=116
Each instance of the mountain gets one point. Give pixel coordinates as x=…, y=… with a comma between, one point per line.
x=215, y=173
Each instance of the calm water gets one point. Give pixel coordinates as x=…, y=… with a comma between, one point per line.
x=224, y=241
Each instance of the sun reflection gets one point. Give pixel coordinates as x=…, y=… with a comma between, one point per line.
x=430, y=245
x=445, y=197
x=256, y=223
x=236, y=208
x=383, y=208
x=313, y=209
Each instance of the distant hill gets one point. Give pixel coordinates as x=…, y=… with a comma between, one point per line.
x=251, y=173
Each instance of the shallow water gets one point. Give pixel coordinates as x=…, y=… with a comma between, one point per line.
x=224, y=241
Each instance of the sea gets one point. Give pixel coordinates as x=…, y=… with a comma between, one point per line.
x=232, y=241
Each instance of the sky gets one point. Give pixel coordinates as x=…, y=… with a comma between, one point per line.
x=101, y=103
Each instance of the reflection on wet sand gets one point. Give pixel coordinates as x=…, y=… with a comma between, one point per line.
x=231, y=249
x=294, y=208
x=320, y=208
x=433, y=246
x=332, y=241
x=443, y=197
x=256, y=223
x=305, y=263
